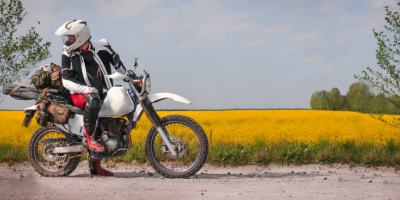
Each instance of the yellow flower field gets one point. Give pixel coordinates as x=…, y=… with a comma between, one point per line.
x=247, y=126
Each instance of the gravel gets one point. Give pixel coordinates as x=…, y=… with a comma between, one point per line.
x=243, y=182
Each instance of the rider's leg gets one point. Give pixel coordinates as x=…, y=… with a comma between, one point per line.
x=96, y=163
x=92, y=105
x=92, y=109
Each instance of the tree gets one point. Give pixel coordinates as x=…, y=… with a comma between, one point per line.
x=387, y=55
x=345, y=103
x=335, y=99
x=359, y=96
x=320, y=100
x=18, y=55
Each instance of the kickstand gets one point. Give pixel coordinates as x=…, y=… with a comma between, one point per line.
x=89, y=158
x=90, y=164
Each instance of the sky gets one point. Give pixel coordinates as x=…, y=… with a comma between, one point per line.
x=226, y=54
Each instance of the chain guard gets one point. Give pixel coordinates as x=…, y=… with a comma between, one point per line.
x=54, y=140
x=61, y=159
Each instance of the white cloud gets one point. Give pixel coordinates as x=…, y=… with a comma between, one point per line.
x=256, y=43
x=331, y=43
x=212, y=27
x=165, y=24
x=221, y=37
x=327, y=7
x=162, y=36
x=288, y=50
x=204, y=6
x=381, y=4
x=45, y=15
x=365, y=30
x=197, y=8
x=223, y=18
x=311, y=59
x=275, y=29
x=205, y=19
x=355, y=32
x=208, y=20
x=120, y=9
x=305, y=36
x=190, y=44
x=346, y=37
x=141, y=46
x=327, y=67
x=349, y=57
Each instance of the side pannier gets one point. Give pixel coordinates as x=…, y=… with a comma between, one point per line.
x=52, y=112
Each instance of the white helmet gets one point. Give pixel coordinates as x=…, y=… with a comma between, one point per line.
x=74, y=33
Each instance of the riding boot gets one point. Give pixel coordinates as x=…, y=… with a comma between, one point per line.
x=98, y=170
x=92, y=143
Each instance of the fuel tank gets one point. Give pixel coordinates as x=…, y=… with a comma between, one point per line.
x=117, y=103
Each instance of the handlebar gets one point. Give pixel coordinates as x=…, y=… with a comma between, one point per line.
x=135, y=79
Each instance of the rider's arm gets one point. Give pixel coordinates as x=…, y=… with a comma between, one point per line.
x=68, y=77
x=120, y=66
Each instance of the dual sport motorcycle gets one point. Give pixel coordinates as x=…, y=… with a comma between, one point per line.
x=176, y=145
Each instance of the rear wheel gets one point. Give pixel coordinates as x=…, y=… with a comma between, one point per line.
x=189, y=141
x=41, y=156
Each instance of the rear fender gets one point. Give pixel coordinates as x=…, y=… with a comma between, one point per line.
x=29, y=114
x=34, y=107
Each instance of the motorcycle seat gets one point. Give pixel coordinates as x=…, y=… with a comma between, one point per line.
x=75, y=109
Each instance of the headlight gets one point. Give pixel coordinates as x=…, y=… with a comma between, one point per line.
x=148, y=85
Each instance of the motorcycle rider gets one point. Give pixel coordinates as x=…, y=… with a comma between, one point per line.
x=85, y=64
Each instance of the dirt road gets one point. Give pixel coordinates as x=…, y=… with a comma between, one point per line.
x=249, y=182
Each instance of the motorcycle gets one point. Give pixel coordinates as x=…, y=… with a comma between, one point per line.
x=176, y=145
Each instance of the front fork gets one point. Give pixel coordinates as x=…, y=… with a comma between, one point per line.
x=156, y=122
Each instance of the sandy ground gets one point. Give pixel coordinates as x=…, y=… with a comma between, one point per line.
x=249, y=182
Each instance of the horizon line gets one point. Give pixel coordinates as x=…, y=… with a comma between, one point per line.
x=210, y=109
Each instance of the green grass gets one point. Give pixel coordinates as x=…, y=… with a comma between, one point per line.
x=325, y=152
x=322, y=152
x=11, y=154
x=137, y=153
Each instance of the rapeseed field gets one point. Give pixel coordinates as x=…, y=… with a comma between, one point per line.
x=11, y=132
x=242, y=136
x=271, y=126
x=247, y=126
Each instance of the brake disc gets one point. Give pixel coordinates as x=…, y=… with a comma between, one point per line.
x=47, y=152
x=178, y=144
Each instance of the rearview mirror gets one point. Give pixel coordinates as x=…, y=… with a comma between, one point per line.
x=116, y=59
x=136, y=63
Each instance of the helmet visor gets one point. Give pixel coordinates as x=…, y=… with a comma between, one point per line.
x=68, y=40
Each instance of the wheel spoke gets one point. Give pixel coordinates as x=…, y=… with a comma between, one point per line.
x=43, y=152
x=182, y=138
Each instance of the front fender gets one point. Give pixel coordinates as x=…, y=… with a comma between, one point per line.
x=156, y=98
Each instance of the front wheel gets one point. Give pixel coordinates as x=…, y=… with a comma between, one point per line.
x=189, y=141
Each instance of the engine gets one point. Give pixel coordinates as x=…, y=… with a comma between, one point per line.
x=111, y=132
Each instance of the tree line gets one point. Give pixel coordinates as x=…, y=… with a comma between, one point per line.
x=359, y=98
